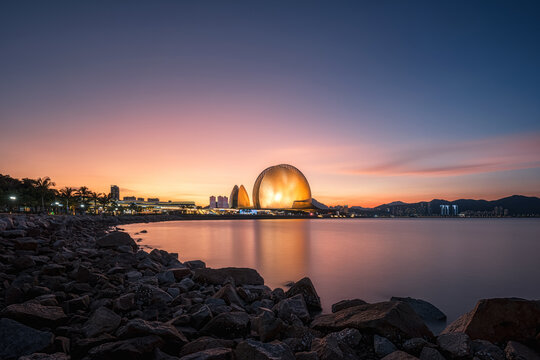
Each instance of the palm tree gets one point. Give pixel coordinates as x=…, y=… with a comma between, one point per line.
x=42, y=185
x=104, y=200
x=67, y=194
x=95, y=198
x=83, y=193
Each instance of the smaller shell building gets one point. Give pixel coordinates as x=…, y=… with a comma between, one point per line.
x=239, y=198
x=282, y=187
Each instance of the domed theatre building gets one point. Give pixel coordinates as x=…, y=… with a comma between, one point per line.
x=239, y=198
x=282, y=187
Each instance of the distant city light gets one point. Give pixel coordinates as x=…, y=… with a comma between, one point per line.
x=13, y=197
x=82, y=205
x=57, y=203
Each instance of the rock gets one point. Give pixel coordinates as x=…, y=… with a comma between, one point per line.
x=219, y=353
x=393, y=320
x=180, y=272
x=306, y=288
x=204, y=343
x=10, y=234
x=344, y=304
x=133, y=275
x=53, y=269
x=456, y=345
x=79, y=303
x=201, y=317
x=34, y=314
x=173, y=291
x=174, y=339
x=43, y=356
x=229, y=295
x=17, y=339
x=295, y=305
x=500, y=319
x=427, y=311
x=116, y=239
x=166, y=278
x=414, y=346
x=517, y=351
x=228, y=325
x=186, y=284
x=306, y=355
x=125, y=302
x=349, y=337
x=241, y=276
x=383, y=346
x=195, y=264
x=256, y=350
x=484, y=350
x=429, y=353
x=102, y=320
x=135, y=348
x=327, y=348
x=399, y=355
x=266, y=325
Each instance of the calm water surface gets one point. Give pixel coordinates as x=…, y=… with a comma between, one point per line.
x=449, y=262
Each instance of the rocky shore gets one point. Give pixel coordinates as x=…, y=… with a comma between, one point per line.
x=71, y=288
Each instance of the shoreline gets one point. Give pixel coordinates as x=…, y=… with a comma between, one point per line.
x=72, y=288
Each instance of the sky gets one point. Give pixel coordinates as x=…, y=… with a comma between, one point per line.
x=373, y=101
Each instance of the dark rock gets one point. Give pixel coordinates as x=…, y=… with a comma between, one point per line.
x=241, y=276
x=79, y=303
x=174, y=339
x=499, y=320
x=201, y=317
x=256, y=350
x=10, y=234
x=116, y=239
x=266, y=325
x=399, y=355
x=456, y=345
x=166, y=278
x=44, y=356
x=219, y=353
x=344, y=304
x=414, y=346
x=62, y=344
x=195, y=264
x=394, y=320
x=427, y=311
x=180, y=272
x=383, y=346
x=17, y=339
x=102, y=320
x=307, y=290
x=125, y=302
x=306, y=355
x=135, y=348
x=429, y=353
x=229, y=295
x=53, y=269
x=204, y=343
x=33, y=313
x=484, y=350
x=517, y=351
x=228, y=325
x=186, y=284
x=295, y=305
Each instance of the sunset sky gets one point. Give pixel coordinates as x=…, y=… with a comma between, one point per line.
x=373, y=102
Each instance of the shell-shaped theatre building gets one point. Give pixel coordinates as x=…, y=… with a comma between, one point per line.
x=239, y=198
x=282, y=187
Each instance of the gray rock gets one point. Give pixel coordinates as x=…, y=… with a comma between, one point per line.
x=383, y=346
x=166, y=278
x=180, y=272
x=344, y=304
x=204, y=343
x=186, y=284
x=174, y=339
x=256, y=350
x=219, y=353
x=429, y=353
x=241, y=276
x=135, y=348
x=307, y=290
x=44, y=356
x=17, y=339
x=399, y=355
x=295, y=305
x=426, y=310
x=33, y=313
x=116, y=239
x=485, y=350
x=266, y=325
x=173, y=291
x=201, y=317
x=306, y=355
x=517, y=351
x=195, y=264
x=228, y=325
x=349, y=337
x=229, y=295
x=456, y=345
x=133, y=275
x=102, y=320
x=125, y=302
x=327, y=348
x=414, y=346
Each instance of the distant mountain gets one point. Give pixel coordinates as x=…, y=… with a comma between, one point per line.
x=394, y=203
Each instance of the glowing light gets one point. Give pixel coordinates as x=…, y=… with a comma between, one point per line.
x=13, y=197
x=278, y=187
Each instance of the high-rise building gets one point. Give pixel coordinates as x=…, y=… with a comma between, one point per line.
x=455, y=210
x=445, y=210
x=222, y=202
x=213, y=203
x=115, y=192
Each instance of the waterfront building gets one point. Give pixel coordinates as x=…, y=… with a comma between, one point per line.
x=239, y=198
x=455, y=211
x=281, y=187
x=140, y=199
x=213, y=203
x=222, y=202
x=445, y=210
x=130, y=198
x=153, y=200
x=115, y=192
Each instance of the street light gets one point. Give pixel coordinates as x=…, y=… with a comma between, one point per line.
x=13, y=197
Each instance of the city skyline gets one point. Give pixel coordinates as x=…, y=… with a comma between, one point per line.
x=373, y=103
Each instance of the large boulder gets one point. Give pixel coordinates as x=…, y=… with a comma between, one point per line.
x=306, y=288
x=219, y=353
x=344, y=304
x=455, y=345
x=116, y=239
x=139, y=327
x=427, y=311
x=393, y=319
x=337, y=345
x=102, y=320
x=135, y=348
x=517, y=351
x=229, y=294
x=266, y=325
x=485, y=350
x=241, y=276
x=383, y=346
x=228, y=325
x=34, y=314
x=17, y=339
x=498, y=320
x=205, y=343
x=256, y=350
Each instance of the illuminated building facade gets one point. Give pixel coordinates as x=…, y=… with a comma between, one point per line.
x=239, y=198
x=281, y=187
x=115, y=192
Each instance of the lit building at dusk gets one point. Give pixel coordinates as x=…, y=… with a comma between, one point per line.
x=213, y=203
x=281, y=187
x=239, y=198
x=222, y=202
x=115, y=192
